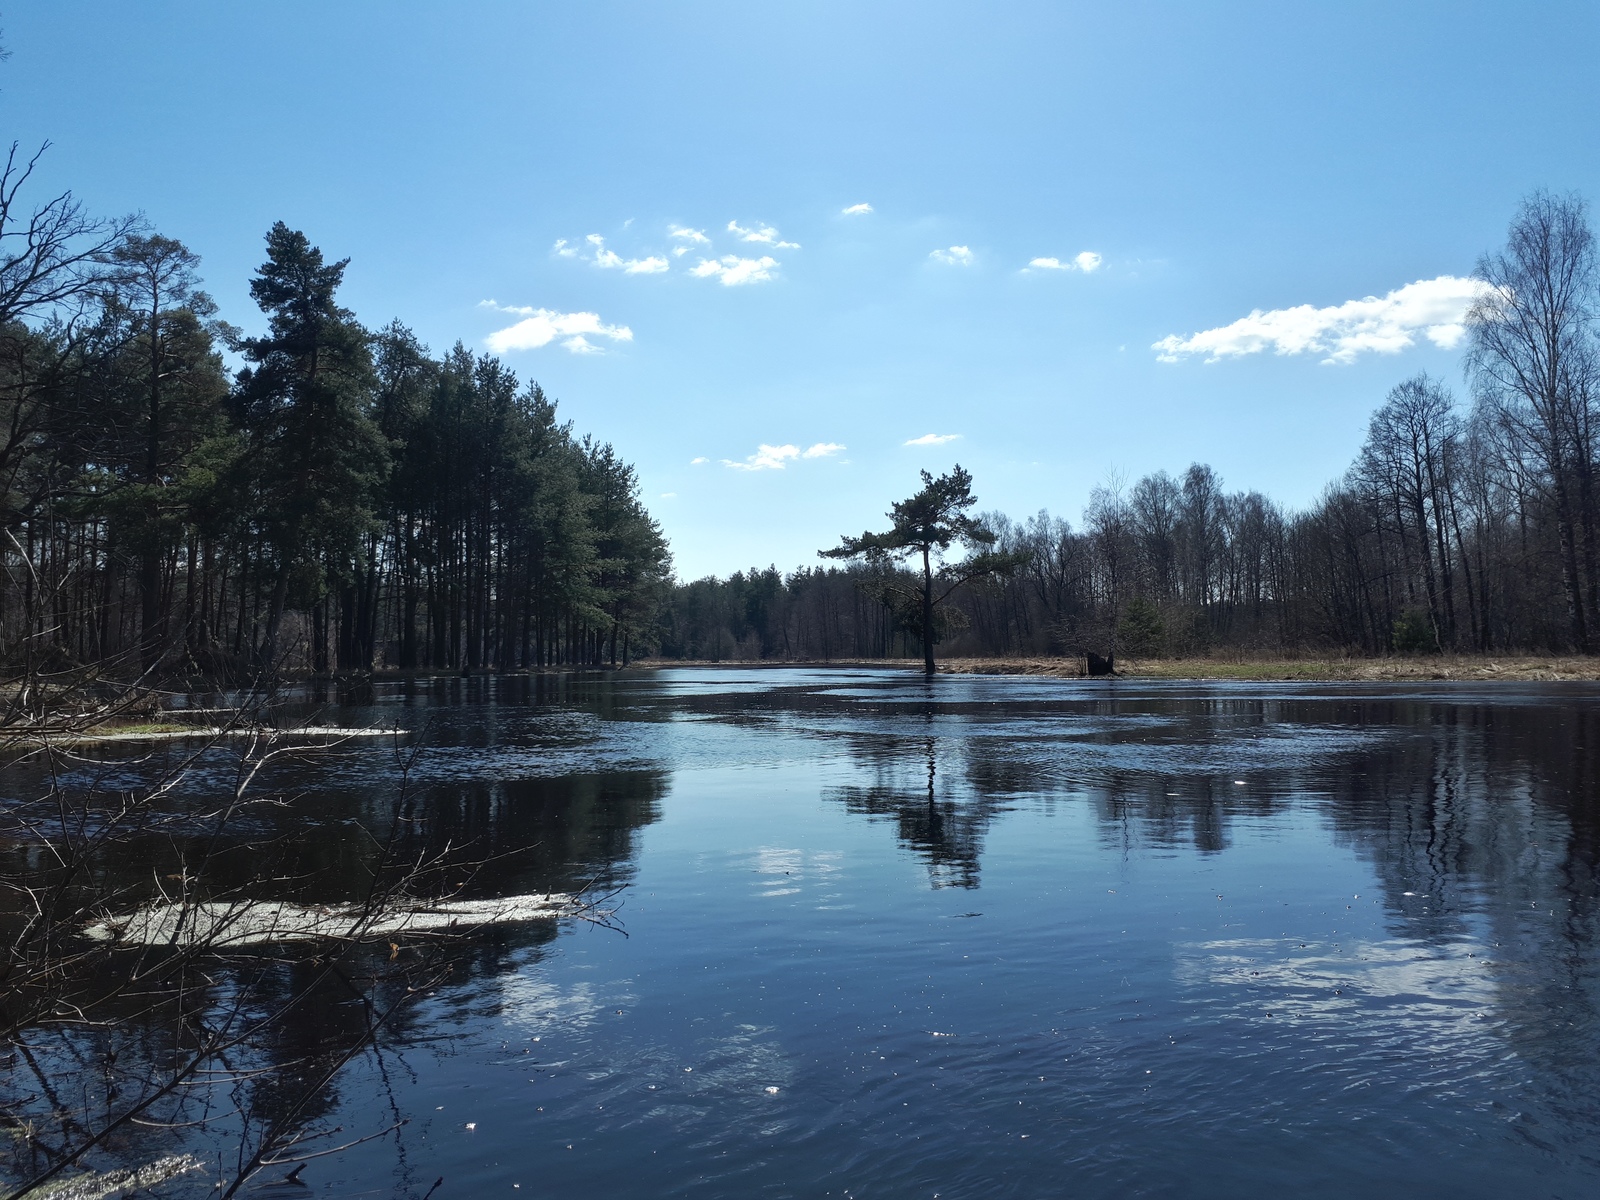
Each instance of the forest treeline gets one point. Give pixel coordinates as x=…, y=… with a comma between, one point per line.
x=339, y=500
x=1468, y=524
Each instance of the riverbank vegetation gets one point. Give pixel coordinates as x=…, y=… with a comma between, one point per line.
x=1467, y=525
x=1412, y=668
x=183, y=503
x=341, y=500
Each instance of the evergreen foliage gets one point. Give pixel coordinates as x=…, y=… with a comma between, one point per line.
x=345, y=502
x=1141, y=631
x=923, y=527
x=348, y=501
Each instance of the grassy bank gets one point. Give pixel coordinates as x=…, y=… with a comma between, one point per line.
x=1472, y=668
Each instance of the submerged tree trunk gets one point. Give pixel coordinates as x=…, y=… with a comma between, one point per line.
x=280, y=594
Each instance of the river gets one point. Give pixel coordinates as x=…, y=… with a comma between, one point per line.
x=978, y=936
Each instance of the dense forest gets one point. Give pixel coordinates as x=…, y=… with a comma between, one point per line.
x=1467, y=525
x=339, y=499
x=181, y=500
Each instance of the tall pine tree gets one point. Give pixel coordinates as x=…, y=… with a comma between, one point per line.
x=316, y=457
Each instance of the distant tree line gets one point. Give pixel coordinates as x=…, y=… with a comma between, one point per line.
x=1461, y=527
x=342, y=501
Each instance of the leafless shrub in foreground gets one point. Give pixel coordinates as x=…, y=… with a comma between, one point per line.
x=164, y=990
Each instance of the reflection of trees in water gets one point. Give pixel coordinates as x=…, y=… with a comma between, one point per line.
x=525, y=835
x=595, y=691
x=944, y=825
x=522, y=835
x=508, y=837
x=65, y=1080
x=541, y=834
x=1495, y=810
x=983, y=772
x=1169, y=811
x=1481, y=822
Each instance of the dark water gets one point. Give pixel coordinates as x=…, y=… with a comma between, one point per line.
x=988, y=937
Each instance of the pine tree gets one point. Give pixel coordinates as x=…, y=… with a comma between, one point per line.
x=925, y=526
x=316, y=457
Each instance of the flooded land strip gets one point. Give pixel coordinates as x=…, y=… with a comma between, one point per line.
x=1267, y=669
x=180, y=725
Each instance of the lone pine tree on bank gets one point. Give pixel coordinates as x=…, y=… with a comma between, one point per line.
x=928, y=524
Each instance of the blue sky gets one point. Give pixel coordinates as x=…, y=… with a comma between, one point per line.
x=1211, y=160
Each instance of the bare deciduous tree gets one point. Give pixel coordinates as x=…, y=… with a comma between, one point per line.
x=1533, y=358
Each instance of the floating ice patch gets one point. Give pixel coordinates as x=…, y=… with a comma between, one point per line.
x=97, y=1185
x=226, y=925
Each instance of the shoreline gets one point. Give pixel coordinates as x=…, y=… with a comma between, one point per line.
x=1463, y=668
x=169, y=724
x=1455, y=668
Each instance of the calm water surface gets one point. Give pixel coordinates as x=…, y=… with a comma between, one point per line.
x=995, y=937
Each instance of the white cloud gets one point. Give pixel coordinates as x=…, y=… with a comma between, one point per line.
x=541, y=326
x=653, y=265
x=1085, y=261
x=765, y=235
x=684, y=233
x=733, y=270
x=611, y=260
x=1435, y=308
x=933, y=439
x=823, y=450
x=955, y=256
x=679, y=251
x=564, y=250
x=766, y=458
x=857, y=210
x=669, y=495
x=699, y=461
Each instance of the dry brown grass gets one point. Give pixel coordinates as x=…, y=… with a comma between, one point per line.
x=1471, y=668
x=1467, y=667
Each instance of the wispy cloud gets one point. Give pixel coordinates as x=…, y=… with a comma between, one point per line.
x=1086, y=261
x=823, y=450
x=699, y=461
x=541, y=326
x=955, y=256
x=611, y=260
x=764, y=235
x=766, y=458
x=684, y=233
x=857, y=210
x=563, y=249
x=1434, y=308
x=733, y=270
x=653, y=265
x=932, y=439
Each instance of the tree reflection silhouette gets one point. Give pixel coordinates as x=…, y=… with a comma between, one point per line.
x=946, y=832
